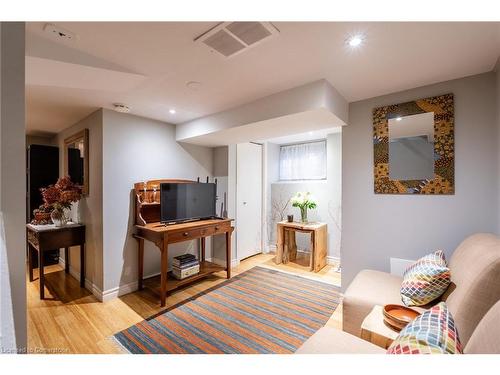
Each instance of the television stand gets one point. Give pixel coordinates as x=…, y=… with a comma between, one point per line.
x=149, y=229
x=162, y=236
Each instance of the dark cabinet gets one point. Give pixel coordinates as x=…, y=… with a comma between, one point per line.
x=42, y=170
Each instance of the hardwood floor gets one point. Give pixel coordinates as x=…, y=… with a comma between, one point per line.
x=72, y=320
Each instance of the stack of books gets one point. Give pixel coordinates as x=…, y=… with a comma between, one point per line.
x=184, y=266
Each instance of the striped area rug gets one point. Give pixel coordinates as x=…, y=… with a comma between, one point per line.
x=258, y=311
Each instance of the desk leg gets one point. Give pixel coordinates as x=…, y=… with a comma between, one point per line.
x=66, y=259
x=41, y=277
x=202, y=245
x=140, y=264
x=30, y=262
x=164, y=269
x=228, y=254
x=82, y=265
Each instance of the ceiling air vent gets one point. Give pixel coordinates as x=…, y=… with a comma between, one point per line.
x=59, y=32
x=231, y=38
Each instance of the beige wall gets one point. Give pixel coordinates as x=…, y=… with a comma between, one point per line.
x=13, y=185
x=377, y=227
x=91, y=205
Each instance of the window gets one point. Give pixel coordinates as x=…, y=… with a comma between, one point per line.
x=303, y=161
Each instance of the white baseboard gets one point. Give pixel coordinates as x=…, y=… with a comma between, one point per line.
x=89, y=285
x=221, y=262
x=331, y=260
x=121, y=290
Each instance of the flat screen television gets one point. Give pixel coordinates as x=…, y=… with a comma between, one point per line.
x=187, y=201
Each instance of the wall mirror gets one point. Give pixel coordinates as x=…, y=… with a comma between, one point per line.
x=414, y=147
x=76, y=159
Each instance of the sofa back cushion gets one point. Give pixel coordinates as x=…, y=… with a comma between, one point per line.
x=425, y=280
x=486, y=336
x=475, y=281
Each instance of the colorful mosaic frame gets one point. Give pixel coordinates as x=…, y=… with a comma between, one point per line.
x=444, y=147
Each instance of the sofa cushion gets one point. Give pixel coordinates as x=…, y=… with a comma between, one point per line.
x=330, y=340
x=369, y=288
x=433, y=332
x=486, y=336
x=425, y=280
x=475, y=281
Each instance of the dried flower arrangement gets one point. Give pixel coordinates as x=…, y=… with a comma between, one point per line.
x=56, y=199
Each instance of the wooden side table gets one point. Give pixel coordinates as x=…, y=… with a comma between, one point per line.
x=374, y=330
x=49, y=237
x=286, y=248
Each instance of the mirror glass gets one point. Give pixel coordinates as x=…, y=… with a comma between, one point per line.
x=411, y=147
x=76, y=158
x=76, y=155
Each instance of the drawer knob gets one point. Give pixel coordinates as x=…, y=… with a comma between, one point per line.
x=185, y=234
x=216, y=228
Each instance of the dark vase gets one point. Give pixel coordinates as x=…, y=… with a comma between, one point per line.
x=290, y=218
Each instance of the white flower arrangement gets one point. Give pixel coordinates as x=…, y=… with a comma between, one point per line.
x=304, y=201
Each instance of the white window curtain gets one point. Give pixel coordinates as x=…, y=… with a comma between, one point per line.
x=304, y=161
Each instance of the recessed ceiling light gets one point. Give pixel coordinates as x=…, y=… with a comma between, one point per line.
x=193, y=85
x=399, y=118
x=172, y=111
x=122, y=108
x=355, y=40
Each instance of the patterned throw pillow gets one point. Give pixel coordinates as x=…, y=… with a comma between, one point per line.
x=425, y=280
x=432, y=332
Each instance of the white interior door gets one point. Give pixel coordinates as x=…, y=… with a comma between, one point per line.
x=248, y=200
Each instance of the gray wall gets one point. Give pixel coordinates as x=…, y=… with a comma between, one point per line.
x=497, y=69
x=377, y=227
x=13, y=181
x=221, y=173
x=139, y=149
x=91, y=205
x=220, y=161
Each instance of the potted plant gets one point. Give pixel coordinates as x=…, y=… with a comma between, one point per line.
x=59, y=198
x=304, y=201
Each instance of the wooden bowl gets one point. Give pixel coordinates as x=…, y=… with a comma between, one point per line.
x=397, y=316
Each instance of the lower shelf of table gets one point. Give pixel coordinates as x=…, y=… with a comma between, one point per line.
x=206, y=269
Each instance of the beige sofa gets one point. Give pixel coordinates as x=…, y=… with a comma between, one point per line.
x=484, y=340
x=475, y=288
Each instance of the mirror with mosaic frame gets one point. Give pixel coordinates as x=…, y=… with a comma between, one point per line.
x=413, y=145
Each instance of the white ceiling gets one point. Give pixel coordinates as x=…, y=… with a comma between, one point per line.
x=147, y=65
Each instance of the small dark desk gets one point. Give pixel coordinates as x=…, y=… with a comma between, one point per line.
x=49, y=237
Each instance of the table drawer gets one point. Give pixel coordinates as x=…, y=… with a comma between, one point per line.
x=190, y=234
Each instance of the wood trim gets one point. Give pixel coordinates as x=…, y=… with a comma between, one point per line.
x=82, y=134
x=147, y=199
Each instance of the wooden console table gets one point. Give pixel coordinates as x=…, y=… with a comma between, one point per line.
x=286, y=248
x=163, y=235
x=49, y=237
x=148, y=227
